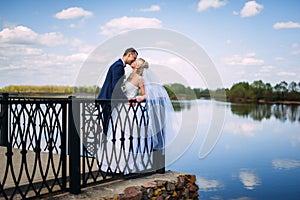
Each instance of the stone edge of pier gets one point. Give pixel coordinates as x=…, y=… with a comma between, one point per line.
x=169, y=185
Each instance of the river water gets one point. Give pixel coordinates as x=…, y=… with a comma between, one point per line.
x=256, y=156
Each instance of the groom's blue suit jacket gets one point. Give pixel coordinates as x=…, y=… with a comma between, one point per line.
x=111, y=88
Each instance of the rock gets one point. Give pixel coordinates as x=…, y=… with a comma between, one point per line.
x=157, y=192
x=184, y=188
x=150, y=185
x=160, y=183
x=170, y=186
x=150, y=192
x=195, y=195
x=192, y=187
x=186, y=193
x=132, y=193
x=193, y=179
x=180, y=182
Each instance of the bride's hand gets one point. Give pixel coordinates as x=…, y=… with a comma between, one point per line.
x=140, y=98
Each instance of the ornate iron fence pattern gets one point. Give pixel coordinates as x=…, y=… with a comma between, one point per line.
x=125, y=149
x=34, y=162
x=55, y=145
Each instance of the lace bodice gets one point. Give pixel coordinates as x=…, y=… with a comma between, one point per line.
x=130, y=90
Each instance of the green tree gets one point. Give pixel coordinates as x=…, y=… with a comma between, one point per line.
x=292, y=87
x=268, y=92
x=281, y=90
x=241, y=91
x=293, y=93
x=258, y=88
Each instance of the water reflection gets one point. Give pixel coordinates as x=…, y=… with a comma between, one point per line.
x=258, y=112
x=266, y=111
x=240, y=127
x=249, y=179
x=207, y=185
x=285, y=164
x=181, y=105
x=254, y=158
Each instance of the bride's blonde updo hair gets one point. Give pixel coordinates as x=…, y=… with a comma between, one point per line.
x=142, y=64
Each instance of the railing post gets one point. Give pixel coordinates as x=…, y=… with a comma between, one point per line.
x=159, y=160
x=74, y=145
x=159, y=154
x=4, y=120
x=64, y=146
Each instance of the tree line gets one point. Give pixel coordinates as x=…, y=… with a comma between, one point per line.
x=258, y=91
x=49, y=89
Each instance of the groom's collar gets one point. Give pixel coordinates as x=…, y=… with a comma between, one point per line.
x=123, y=62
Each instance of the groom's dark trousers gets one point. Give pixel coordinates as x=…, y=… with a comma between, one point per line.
x=111, y=89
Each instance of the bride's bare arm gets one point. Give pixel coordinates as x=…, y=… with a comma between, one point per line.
x=143, y=92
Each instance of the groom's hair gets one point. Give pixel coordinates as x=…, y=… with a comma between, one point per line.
x=130, y=50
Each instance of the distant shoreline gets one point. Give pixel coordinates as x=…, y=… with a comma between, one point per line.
x=89, y=95
x=242, y=92
x=262, y=101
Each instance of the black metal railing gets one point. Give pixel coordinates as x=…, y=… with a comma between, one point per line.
x=57, y=145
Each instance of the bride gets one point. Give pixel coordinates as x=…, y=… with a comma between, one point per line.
x=137, y=129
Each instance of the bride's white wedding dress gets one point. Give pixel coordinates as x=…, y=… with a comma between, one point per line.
x=122, y=151
x=135, y=131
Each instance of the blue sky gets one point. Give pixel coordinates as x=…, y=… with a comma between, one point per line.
x=46, y=42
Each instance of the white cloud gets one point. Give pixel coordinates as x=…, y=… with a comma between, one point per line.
x=22, y=40
x=296, y=50
x=206, y=4
x=279, y=59
x=295, y=53
x=25, y=54
x=25, y=36
x=266, y=69
x=286, y=73
x=177, y=68
x=18, y=35
x=78, y=57
x=286, y=25
x=40, y=69
x=14, y=50
x=10, y=68
x=153, y=8
x=228, y=42
x=73, y=13
x=243, y=60
x=249, y=179
x=78, y=24
x=52, y=39
x=285, y=164
x=251, y=8
x=125, y=23
x=295, y=45
x=235, y=12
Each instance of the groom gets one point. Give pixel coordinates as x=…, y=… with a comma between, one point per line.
x=111, y=88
